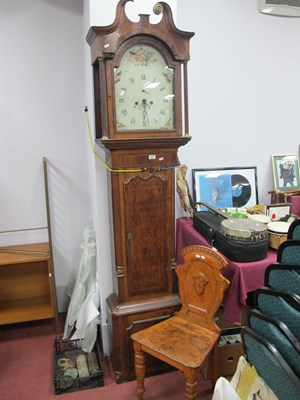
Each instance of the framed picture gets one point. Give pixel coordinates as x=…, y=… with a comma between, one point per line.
x=286, y=172
x=226, y=187
x=288, y=8
x=278, y=211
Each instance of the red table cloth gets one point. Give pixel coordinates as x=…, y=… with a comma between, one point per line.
x=244, y=277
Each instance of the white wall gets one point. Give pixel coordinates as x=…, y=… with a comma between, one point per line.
x=244, y=86
x=243, y=95
x=41, y=115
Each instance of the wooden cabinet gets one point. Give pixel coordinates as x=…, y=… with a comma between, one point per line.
x=26, y=284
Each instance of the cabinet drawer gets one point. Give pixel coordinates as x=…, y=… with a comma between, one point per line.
x=145, y=158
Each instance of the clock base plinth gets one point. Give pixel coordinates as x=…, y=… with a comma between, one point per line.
x=126, y=318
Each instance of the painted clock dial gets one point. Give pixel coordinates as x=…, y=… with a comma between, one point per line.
x=144, y=90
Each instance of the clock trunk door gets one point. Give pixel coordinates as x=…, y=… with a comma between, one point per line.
x=148, y=261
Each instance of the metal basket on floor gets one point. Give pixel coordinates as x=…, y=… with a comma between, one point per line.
x=69, y=375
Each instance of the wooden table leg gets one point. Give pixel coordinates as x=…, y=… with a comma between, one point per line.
x=139, y=359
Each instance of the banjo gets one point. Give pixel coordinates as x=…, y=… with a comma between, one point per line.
x=247, y=230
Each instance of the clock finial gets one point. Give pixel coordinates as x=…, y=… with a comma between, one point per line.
x=158, y=8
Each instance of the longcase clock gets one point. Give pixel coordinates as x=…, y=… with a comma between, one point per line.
x=141, y=114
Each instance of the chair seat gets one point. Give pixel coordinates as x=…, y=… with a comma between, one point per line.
x=177, y=341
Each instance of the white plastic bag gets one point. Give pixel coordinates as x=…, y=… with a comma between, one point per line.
x=224, y=390
x=83, y=313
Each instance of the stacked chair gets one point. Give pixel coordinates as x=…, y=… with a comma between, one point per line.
x=272, y=338
x=289, y=252
x=294, y=230
x=283, y=277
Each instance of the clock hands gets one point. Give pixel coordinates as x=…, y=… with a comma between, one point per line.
x=142, y=99
x=144, y=106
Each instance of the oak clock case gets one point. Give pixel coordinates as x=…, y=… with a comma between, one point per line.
x=138, y=95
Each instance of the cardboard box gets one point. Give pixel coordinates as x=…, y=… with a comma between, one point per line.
x=229, y=350
x=228, y=357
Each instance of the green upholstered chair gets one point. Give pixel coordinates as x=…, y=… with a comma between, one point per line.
x=270, y=365
x=279, y=304
x=294, y=230
x=289, y=252
x=283, y=277
x=277, y=333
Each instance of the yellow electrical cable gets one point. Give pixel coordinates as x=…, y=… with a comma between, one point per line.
x=101, y=159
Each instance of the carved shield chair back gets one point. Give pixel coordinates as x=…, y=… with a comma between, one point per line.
x=185, y=340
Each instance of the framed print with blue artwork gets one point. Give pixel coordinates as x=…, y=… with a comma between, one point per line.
x=226, y=187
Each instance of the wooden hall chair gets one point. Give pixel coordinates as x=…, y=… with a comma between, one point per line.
x=186, y=339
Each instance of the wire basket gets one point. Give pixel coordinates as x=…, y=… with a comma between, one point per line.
x=69, y=375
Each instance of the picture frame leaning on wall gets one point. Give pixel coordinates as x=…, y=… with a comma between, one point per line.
x=226, y=186
x=285, y=8
x=286, y=172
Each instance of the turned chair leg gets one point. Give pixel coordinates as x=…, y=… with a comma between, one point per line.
x=139, y=359
x=191, y=377
x=212, y=365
